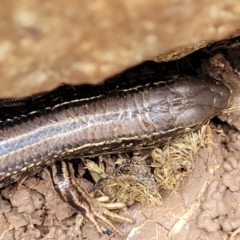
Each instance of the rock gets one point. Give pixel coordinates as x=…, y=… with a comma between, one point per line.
x=44, y=44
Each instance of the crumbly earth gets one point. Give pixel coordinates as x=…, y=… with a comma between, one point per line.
x=204, y=205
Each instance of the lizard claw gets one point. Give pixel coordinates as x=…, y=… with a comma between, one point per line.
x=71, y=192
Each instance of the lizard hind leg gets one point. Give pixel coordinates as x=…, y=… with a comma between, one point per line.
x=78, y=198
